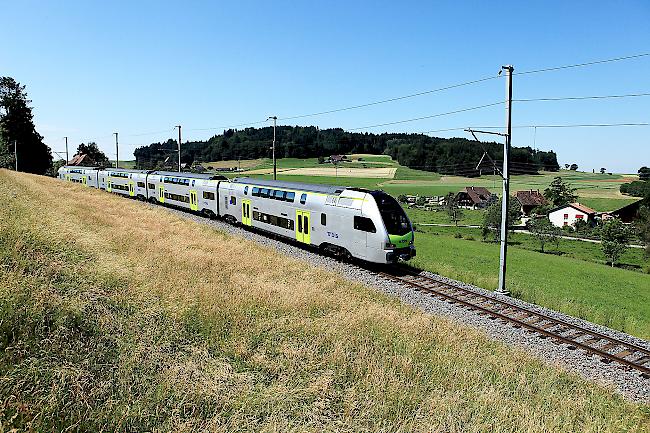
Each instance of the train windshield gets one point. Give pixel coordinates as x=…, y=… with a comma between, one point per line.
x=395, y=219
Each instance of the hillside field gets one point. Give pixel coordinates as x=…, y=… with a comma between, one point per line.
x=118, y=316
x=599, y=191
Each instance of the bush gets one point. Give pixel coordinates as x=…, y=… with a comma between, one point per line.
x=458, y=235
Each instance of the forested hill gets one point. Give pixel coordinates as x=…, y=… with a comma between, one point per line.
x=442, y=155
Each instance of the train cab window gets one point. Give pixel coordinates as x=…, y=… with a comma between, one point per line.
x=233, y=199
x=290, y=196
x=255, y=192
x=246, y=190
x=364, y=224
x=140, y=184
x=151, y=185
x=323, y=219
x=303, y=199
x=264, y=192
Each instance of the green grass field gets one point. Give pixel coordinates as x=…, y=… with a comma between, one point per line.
x=577, y=282
x=105, y=325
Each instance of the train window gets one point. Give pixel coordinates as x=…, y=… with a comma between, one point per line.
x=279, y=195
x=246, y=190
x=140, y=184
x=208, y=195
x=151, y=185
x=264, y=192
x=290, y=196
x=303, y=199
x=364, y=224
x=255, y=192
x=305, y=220
x=323, y=219
x=193, y=182
x=233, y=199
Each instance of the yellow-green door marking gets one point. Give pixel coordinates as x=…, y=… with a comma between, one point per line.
x=246, y=213
x=303, y=230
x=108, y=185
x=84, y=180
x=131, y=188
x=194, y=202
x=161, y=193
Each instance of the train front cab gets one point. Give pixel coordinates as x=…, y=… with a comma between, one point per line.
x=393, y=239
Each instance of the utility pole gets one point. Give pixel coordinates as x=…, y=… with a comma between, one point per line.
x=179, y=147
x=117, y=154
x=66, y=151
x=506, y=183
x=16, y=153
x=275, y=119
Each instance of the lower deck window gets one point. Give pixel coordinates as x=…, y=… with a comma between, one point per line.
x=176, y=197
x=208, y=195
x=285, y=223
x=120, y=187
x=140, y=184
x=152, y=186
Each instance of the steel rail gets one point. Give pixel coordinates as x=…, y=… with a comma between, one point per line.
x=532, y=320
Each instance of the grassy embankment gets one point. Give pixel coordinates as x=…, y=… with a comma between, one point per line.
x=119, y=316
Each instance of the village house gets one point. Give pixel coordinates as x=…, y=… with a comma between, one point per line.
x=626, y=214
x=568, y=214
x=529, y=200
x=474, y=197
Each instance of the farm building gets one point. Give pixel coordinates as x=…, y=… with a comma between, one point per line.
x=568, y=214
x=474, y=197
x=529, y=200
x=626, y=214
x=81, y=160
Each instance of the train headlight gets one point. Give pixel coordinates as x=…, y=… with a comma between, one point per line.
x=389, y=245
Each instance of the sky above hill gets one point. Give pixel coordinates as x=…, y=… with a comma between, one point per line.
x=139, y=68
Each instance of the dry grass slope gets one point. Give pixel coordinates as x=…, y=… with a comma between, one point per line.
x=117, y=316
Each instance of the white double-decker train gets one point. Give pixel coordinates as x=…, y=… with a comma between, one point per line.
x=340, y=221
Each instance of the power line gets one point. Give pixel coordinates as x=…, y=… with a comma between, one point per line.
x=579, y=65
x=579, y=125
x=427, y=117
x=575, y=98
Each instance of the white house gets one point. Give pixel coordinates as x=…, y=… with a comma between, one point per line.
x=567, y=215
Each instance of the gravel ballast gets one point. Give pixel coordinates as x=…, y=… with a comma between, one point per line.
x=629, y=383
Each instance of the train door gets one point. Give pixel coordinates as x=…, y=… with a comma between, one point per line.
x=108, y=185
x=194, y=201
x=161, y=193
x=67, y=177
x=131, y=188
x=303, y=230
x=246, y=218
x=84, y=180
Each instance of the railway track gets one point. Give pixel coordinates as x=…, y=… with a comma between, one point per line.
x=610, y=349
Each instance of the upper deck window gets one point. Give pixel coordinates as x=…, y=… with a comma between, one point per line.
x=303, y=198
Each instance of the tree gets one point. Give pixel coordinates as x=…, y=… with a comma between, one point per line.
x=17, y=128
x=94, y=154
x=614, y=237
x=602, y=170
x=573, y=167
x=560, y=193
x=642, y=227
x=451, y=206
x=492, y=218
x=644, y=173
x=566, y=166
x=544, y=231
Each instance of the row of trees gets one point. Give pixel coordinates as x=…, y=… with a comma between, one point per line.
x=447, y=156
x=18, y=136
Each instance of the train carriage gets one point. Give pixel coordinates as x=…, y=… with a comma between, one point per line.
x=84, y=175
x=192, y=191
x=123, y=181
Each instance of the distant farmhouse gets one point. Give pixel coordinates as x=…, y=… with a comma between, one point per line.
x=626, y=214
x=82, y=160
x=336, y=159
x=568, y=214
x=529, y=200
x=475, y=197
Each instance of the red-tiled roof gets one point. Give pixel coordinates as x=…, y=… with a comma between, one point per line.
x=477, y=194
x=583, y=208
x=530, y=198
x=77, y=159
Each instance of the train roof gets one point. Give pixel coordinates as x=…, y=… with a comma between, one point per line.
x=126, y=170
x=81, y=166
x=310, y=187
x=190, y=175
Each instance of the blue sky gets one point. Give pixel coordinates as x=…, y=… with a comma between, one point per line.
x=139, y=68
